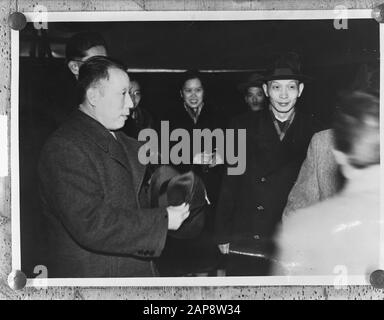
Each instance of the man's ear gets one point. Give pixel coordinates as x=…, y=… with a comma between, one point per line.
x=93, y=95
x=301, y=88
x=341, y=157
x=265, y=88
x=74, y=67
x=343, y=161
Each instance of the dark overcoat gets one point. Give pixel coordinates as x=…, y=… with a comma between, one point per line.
x=209, y=118
x=98, y=220
x=251, y=204
x=200, y=254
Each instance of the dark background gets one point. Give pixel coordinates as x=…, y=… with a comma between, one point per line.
x=227, y=50
x=332, y=57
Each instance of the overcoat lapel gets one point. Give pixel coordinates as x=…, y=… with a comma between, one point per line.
x=117, y=153
x=267, y=132
x=125, y=153
x=264, y=143
x=269, y=152
x=131, y=149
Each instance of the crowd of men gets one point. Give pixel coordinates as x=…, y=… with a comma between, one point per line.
x=97, y=195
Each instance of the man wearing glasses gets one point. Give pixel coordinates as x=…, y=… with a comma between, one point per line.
x=139, y=118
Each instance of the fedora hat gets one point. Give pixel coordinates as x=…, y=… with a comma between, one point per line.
x=287, y=67
x=254, y=80
x=170, y=188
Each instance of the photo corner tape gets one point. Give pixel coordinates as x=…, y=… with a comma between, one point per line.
x=3, y=146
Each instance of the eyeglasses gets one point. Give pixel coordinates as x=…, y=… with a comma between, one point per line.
x=78, y=60
x=135, y=93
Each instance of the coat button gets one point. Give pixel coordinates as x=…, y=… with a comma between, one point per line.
x=260, y=208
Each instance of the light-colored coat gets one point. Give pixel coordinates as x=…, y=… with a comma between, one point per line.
x=340, y=233
x=319, y=177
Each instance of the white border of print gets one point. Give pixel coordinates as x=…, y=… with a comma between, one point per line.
x=167, y=16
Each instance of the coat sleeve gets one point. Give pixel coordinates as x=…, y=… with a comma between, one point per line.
x=226, y=202
x=306, y=190
x=71, y=187
x=225, y=210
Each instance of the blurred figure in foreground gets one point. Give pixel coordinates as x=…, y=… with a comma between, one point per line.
x=320, y=176
x=345, y=229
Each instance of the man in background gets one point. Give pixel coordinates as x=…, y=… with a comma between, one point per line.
x=61, y=98
x=253, y=93
x=250, y=206
x=139, y=118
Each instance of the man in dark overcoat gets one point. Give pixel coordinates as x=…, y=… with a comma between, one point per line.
x=98, y=216
x=251, y=205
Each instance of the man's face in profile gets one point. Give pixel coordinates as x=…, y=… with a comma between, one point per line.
x=112, y=101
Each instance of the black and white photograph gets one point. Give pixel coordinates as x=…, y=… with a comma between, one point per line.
x=197, y=149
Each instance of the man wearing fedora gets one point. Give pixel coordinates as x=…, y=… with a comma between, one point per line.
x=251, y=205
x=93, y=188
x=253, y=93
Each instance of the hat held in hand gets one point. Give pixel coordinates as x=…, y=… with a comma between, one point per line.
x=170, y=188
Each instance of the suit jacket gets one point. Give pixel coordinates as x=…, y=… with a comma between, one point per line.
x=319, y=176
x=250, y=205
x=340, y=234
x=98, y=219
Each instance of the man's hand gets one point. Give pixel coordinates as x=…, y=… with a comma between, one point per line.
x=210, y=159
x=203, y=158
x=216, y=160
x=177, y=215
x=224, y=248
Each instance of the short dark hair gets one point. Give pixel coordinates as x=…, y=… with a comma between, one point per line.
x=189, y=75
x=132, y=78
x=79, y=43
x=93, y=70
x=357, y=128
